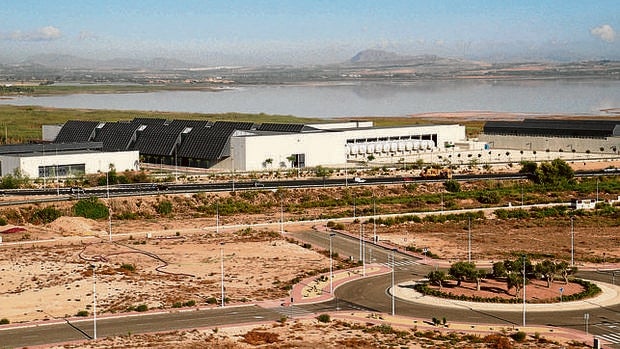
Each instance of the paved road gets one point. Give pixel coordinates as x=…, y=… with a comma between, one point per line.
x=372, y=293
x=80, y=330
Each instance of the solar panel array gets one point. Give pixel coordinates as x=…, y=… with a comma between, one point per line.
x=158, y=137
x=76, y=131
x=542, y=127
x=273, y=127
x=116, y=136
x=205, y=143
x=48, y=148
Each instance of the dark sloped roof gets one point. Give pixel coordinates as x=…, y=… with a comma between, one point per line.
x=116, y=136
x=48, y=148
x=189, y=123
x=160, y=144
x=205, y=143
x=272, y=127
x=148, y=121
x=76, y=131
x=232, y=125
x=543, y=127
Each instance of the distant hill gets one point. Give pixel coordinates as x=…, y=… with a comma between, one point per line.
x=72, y=62
x=380, y=57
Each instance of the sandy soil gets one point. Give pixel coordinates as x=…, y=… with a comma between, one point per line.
x=161, y=261
x=343, y=331
x=55, y=280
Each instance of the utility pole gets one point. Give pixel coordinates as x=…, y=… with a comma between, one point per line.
x=469, y=239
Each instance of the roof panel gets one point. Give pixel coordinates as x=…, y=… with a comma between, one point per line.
x=76, y=131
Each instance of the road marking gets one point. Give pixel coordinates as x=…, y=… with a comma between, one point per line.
x=612, y=338
x=401, y=263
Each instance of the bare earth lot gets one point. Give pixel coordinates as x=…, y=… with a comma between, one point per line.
x=181, y=261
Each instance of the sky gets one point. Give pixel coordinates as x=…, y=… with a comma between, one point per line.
x=310, y=32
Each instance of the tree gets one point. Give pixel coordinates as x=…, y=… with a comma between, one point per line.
x=323, y=172
x=528, y=167
x=370, y=157
x=437, y=277
x=478, y=276
x=553, y=173
x=460, y=271
x=452, y=186
x=499, y=270
x=514, y=280
x=565, y=270
x=291, y=159
x=546, y=269
x=268, y=162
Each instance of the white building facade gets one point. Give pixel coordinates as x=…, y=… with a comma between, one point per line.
x=67, y=164
x=255, y=151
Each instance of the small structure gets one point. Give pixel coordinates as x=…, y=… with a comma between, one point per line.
x=582, y=204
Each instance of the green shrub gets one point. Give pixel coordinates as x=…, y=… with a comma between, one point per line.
x=142, y=307
x=4, y=321
x=82, y=313
x=128, y=267
x=323, y=318
x=3, y=221
x=519, y=336
x=92, y=208
x=189, y=303
x=488, y=197
x=45, y=215
x=452, y=186
x=164, y=207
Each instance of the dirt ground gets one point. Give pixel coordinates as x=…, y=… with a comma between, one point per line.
x=163, y=261
x=340, y=332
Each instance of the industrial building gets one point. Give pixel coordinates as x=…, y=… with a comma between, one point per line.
x=554, y=135
x=247, y=146
x=62, y=160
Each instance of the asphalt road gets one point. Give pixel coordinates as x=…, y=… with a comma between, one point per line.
x=81, y=330
x=372, y=294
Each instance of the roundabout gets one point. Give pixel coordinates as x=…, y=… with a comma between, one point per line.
x=609, y=295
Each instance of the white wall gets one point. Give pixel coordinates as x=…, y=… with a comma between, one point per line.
x=323, y=148
x=94, y=162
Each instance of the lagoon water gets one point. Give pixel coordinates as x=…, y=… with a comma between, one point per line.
x=364, y=98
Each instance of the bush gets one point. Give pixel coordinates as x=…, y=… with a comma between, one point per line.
x=519, y=336
x=4, y=321
x=452, y=186
x=488, y=197
x=3, y=221
x=128, y=267
x=164, y=207
x=142, y=307
x=323, y=318
x=82, y=313
x=91, y=208
x=45, y=215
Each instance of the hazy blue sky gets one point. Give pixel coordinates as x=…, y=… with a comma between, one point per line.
x=297, y=31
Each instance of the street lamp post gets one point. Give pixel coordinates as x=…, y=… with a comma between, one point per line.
x=94, y=303
x=393, y=266
x=222, y=270
x=363, y=253
x=469, y=239
x=217, y=217
x=374, y=221
x=523, y=290
x=572, y=242
x=281, y=215
x=331, y=265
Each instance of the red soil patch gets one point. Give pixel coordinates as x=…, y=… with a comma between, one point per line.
x=535, y=292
